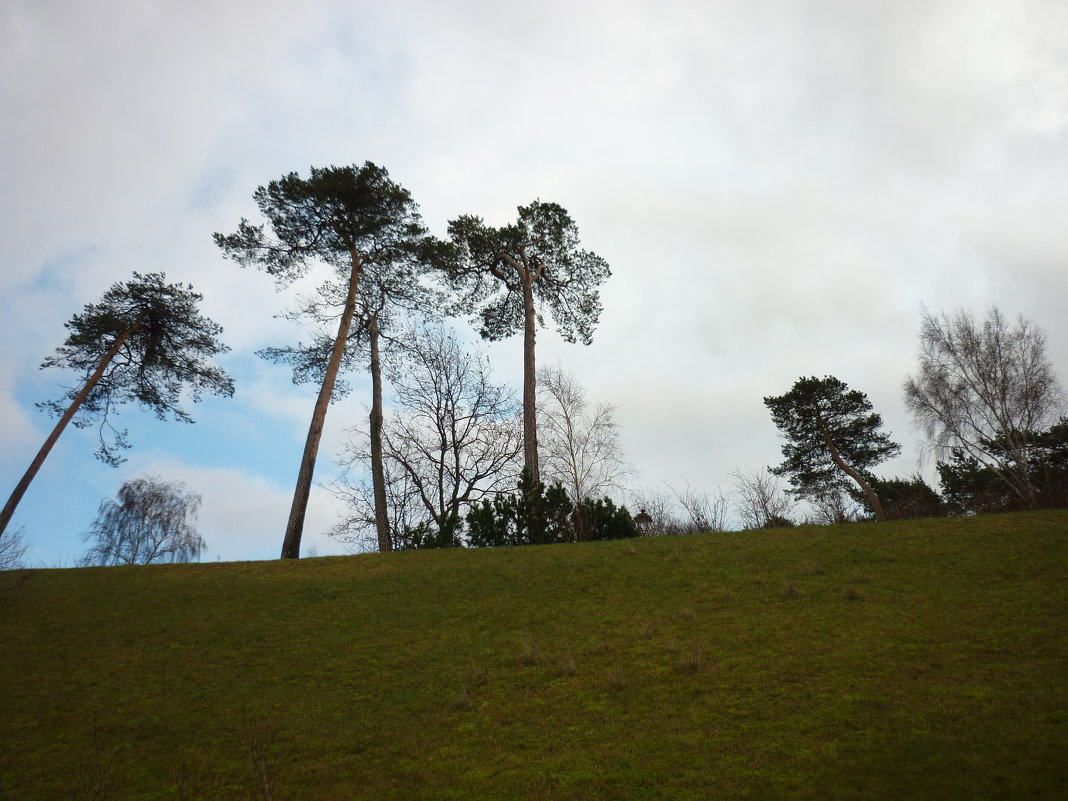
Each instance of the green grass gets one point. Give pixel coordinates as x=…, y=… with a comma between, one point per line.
x=915, y=660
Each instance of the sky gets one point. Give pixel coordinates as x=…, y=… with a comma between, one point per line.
x=779, y=186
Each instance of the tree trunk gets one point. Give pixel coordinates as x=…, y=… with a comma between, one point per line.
x=530, y=381
x=94, y=379
x=378, y=472
x=876, y=506
x=295, y=527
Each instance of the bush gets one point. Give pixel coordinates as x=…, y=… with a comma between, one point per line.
x=603, y=520
x=904, y=498
x=534, y=515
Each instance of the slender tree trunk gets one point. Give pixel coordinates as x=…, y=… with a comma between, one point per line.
x=530, y=382
x=295, y=527
x=876, y=506
x=94, y=379
x=378, y=472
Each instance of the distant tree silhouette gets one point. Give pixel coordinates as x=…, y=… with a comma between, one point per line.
x=152, y=521
x=831, y=433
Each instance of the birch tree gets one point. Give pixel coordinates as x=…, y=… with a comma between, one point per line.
x=579, y=442
x=451, y=440
x=151, y=521
x=985, y=389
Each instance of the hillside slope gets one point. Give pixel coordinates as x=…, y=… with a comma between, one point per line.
x=904, y=660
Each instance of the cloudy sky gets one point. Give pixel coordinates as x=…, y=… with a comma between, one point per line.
x=779, y=186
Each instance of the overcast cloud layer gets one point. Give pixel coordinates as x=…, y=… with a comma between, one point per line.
x=779, y=187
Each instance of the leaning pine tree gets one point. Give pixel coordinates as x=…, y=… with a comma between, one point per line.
x=144, y=342
x=365, y=227
x=510, y=275
x=831, y=433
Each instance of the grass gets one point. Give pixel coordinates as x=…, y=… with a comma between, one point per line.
x=924, y=659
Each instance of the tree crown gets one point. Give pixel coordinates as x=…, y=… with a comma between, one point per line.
x=818, y=409
x=152, y=521
x=333, y=216
x=540, y=251
x=166, y=353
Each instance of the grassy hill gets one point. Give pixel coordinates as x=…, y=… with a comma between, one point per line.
x=904, y=660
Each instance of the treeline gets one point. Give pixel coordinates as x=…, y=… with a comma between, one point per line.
x=986, y=398
x=145, y=342
x=461, y=460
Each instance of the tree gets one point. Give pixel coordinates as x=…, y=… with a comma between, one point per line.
x=687, y=511
x=409, y=526
x=985, y=389
x=760, y=501
x=974, y=487
x=12, y=549
x=152, y=521
x=367, y=229
x=703, y=512
x=579, y=446
x=510, y=275
x=452, y=441
x=1049, y=464
x=831, y=433
x=145, y=342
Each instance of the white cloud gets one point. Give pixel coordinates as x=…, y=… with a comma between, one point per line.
x=778, y=186
x=243, y=515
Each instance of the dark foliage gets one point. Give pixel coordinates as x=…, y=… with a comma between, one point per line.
x=971, y=486
x=777, y=521
x=534, y=515
x=352, y=217
x=166, y=353
x=427, y=535
x=327, y=217
x=822, y=418
x=904, y=498
x=602, y=520
x=490, y=263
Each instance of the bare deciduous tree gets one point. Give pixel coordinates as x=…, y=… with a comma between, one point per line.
x=690, y=511
x=579, y=444
x=152, y=521
x=760, y=501
x=657, y=507
x=704, y=512
x=454, y=439
x=12, y=549
x=985, y=389
x=832, y=506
